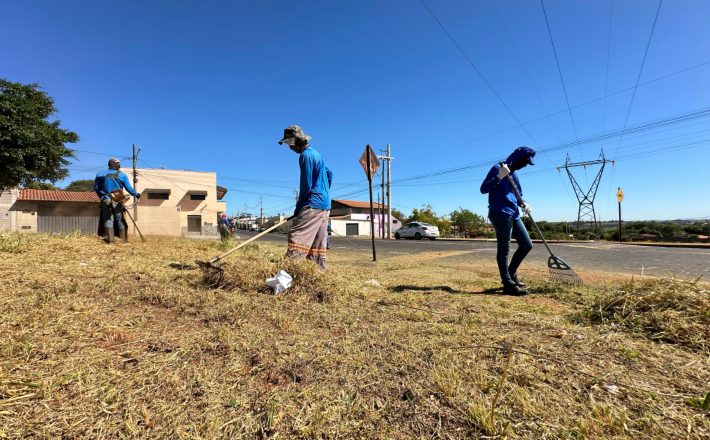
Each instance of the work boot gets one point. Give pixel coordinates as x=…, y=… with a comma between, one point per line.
x=517, y=281
x=108, y=236
x=513, y=289
x=122, y=235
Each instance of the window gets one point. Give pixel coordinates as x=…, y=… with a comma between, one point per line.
x=159, y=195
x=198, y=196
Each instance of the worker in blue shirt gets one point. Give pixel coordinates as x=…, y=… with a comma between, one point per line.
x=225, y=227
x=106, y=182
x=505, y=217
x=308, y=234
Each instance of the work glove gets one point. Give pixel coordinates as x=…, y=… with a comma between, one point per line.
x=503, y=171
x=106, y=199
x=138, y=196
x=527, y=209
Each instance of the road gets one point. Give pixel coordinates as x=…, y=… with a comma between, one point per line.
x=685, y=263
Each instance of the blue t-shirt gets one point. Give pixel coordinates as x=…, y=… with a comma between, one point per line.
x=110, y=180
x=315, y=181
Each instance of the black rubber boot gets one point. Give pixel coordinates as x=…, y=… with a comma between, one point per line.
x=517, y=281
x=513, y=289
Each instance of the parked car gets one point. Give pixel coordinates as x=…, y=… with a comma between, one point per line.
x=417, y=230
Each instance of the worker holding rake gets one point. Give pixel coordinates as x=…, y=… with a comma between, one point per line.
x=504, y=215
x=308, y=234
x=109, y=185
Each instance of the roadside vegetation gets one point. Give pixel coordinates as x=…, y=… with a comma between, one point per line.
x=135, y=341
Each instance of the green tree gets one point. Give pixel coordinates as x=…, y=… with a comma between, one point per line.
x=427, y=215
x=468, y=221
x=40, y=185
x=85, y=185
x=31, y=146
x=399, y=215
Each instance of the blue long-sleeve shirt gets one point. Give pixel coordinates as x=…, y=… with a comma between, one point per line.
x=501, y=197
x=316, y=179
x=110, y=180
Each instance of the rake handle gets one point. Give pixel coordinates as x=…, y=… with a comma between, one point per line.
x=520, y=202
x=259, y=235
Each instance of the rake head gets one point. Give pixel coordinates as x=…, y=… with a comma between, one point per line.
x=212, y=273
x=561, y=272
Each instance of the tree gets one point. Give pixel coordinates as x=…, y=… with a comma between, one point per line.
x=40, y=185
x=427, y=215
x=85, y=185
x=31, y=146
x=468, y=221
x=399, y=215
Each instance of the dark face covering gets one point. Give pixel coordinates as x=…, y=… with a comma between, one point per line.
x=519, y=164
x=299, y=146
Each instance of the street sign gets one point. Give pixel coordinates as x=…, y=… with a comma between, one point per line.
x=374, y=163
x=619, y=195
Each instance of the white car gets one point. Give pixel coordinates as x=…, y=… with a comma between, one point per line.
x=417, y=230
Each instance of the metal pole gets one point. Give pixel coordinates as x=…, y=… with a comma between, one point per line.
x=372, y=212
x=389, y=194
x=619, y=222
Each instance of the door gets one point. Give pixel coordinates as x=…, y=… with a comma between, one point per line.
x=194, y=224
x=352, y=229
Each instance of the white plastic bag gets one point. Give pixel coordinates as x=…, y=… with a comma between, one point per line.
x=280, y=282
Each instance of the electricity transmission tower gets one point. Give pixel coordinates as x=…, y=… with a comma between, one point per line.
x=586, y=213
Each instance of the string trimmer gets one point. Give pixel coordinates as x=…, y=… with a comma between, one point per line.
x=559, y=270
x=210, y=265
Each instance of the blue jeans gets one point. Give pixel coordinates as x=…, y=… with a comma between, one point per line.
x=112, y=212
x=506, y=226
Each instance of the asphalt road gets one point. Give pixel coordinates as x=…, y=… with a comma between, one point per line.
x=606, y=257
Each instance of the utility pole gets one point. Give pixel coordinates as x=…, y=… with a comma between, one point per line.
x=135, y=179
x=261, y=211
x=389, y=192
x=386, y=190
x=382, y=208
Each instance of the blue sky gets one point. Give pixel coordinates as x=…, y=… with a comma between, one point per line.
x=210, y=86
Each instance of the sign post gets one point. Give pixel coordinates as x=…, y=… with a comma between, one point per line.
x=619, y=197
x=369, y=163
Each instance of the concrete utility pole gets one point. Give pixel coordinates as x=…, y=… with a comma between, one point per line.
x=387, y=191
x=382, y=208
x=261, y=211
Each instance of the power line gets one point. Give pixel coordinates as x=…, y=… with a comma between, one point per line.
x=557, y=60
x=476, y=69
x=638, y=77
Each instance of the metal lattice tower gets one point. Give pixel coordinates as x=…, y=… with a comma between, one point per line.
x=586, y=198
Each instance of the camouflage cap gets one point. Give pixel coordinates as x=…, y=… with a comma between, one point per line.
x=291, y=133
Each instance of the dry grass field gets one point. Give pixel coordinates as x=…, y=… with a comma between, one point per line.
x=134, y=341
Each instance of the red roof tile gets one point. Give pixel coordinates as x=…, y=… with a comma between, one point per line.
x=47, y=195
x=356, y=204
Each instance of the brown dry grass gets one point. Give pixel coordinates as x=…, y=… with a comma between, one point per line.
x=142, y=349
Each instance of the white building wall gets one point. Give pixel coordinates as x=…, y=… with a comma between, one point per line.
x=8, y=217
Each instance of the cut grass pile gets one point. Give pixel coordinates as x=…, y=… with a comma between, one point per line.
x=672, y=311
x=132, y=341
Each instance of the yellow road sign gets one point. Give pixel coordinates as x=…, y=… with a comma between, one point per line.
x=619, y=195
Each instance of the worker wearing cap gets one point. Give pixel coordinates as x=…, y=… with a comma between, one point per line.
x=308, y=234
x=505, y=217
x=225, y=226
x=111, y=217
